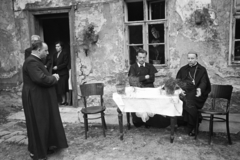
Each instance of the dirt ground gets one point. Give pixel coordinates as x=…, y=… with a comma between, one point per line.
x=138, y=144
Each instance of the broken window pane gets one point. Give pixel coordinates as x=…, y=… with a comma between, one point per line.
x=156, y=10
x=135, y=35
x=133, y=53
x=156, y=33
x=237, y=51
x=135, y=11
x=237, y=27
x=156, y=54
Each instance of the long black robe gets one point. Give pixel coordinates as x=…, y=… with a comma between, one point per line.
x=44, y=124
x=191, y=103
x=136, y=71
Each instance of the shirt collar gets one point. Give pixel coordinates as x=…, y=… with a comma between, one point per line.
x=140, y=64
x=35, y=55
x=193, y=65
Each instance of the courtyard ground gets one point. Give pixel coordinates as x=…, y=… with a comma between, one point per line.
x=138, y=144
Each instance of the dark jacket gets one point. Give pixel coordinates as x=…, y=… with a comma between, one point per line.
x=61, y=62
x=28, y=52
x=137, y=71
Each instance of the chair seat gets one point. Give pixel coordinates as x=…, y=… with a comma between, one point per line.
x=93, y=109
x=214, y=112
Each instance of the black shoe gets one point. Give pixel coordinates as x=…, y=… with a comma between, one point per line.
x=66, y=104
x=50, y=151
x=63, y=103
x=192, y=133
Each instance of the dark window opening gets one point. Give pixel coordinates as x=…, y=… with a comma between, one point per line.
x=135, y=11
x=157, y=10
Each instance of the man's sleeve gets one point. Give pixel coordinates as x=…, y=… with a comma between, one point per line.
x=179, y=75
x=203, y=82
x=65, y=62
x=38, y=76
x=153, y=70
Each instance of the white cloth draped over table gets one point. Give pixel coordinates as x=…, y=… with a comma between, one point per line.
x=149, y=101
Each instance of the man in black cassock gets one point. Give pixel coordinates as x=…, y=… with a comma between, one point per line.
x=146, y=74
x=196, y=90
x=43, y=121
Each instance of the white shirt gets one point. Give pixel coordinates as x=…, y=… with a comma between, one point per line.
x=140, y=64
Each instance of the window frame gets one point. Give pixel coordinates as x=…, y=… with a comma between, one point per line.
x=145, y=23
x=235, y=14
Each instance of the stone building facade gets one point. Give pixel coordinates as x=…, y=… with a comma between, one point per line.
x=212, y=38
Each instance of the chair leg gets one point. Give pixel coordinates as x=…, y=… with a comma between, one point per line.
x=128, y=121
x=196, y=127
x=210, y=129
x=228, y=132
x=85, y=124
x=103, y=126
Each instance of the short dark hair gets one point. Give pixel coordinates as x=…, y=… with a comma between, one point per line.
x=60, y=43
x=37, y=45
x=193, y=52
x=140, y=50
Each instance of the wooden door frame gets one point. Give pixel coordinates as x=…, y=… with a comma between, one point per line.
x=34, y=29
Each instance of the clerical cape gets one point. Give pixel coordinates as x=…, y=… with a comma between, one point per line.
x=44, y=124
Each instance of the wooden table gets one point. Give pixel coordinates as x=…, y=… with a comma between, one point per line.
x=163, y=105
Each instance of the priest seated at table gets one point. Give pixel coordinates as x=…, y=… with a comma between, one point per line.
x=195, y=92
x=144, y=74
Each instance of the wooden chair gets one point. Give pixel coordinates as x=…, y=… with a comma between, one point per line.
x=89, y=90
x=217, y=91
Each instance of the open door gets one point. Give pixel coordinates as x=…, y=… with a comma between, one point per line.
x=36, y=27
x=73, y=57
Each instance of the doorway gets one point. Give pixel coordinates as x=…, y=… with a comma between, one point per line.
x=54, y=28
x=52, y=25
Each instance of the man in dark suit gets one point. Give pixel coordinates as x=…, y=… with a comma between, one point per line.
x=28, y=51
x=196, y=91
x=43, y=121
x=146, y=76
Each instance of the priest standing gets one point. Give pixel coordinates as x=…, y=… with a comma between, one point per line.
x=44, y=125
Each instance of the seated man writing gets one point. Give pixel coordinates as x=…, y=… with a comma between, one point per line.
x=146, y=77
x=196, y=91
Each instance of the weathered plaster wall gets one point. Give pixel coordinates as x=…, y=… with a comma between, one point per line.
x=10, y=55
x=107, y=57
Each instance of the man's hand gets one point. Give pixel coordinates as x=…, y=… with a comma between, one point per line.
x=56, y=76
x=55, y=68
x=147, y=77
x=183, y=93
x=198, y=92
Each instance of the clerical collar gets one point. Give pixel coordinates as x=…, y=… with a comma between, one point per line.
x=193, y=65
x=141, y=64
x=35, y=55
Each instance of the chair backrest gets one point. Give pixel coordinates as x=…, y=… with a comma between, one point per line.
x=92, y=89
x=221, y=91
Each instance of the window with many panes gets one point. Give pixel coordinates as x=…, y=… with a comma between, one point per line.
x=145, y=24
x=235, y=53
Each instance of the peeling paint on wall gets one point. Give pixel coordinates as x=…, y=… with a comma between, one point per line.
x=107, y=57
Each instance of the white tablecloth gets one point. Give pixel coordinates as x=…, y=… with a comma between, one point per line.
x=149, y=100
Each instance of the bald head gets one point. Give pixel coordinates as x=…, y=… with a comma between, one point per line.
x=40, y=49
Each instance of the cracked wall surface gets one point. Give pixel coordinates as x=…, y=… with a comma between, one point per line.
x=107, y=57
